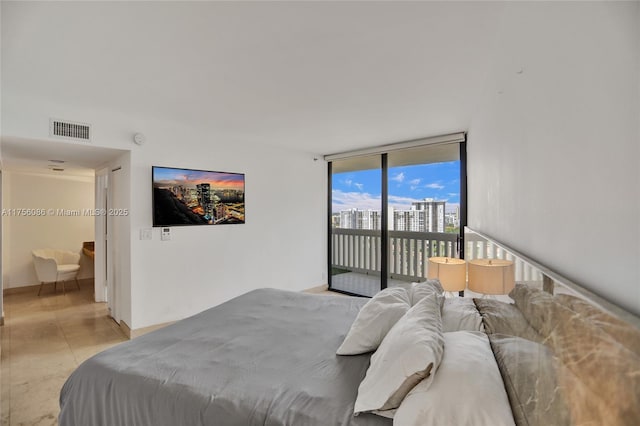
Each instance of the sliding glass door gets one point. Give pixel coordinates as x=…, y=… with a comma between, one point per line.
x=355, y=232
x=391, y=211
x=423, y=209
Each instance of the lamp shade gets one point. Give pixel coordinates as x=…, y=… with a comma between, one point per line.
x=491, y=276
x=451, y=272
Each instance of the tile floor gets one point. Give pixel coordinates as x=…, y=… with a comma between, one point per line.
x=43, y=340
x=366, y=285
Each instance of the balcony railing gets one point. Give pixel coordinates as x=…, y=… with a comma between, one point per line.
x=358, y=250
x=478, y=247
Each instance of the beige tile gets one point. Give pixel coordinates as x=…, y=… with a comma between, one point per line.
x=44, y=339
x=37, y=398
x=35, y=370
x=33, y=418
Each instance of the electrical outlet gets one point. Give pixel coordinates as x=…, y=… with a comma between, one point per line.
x=146, y=234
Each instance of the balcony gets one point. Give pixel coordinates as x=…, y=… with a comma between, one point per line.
x=356, y=253
x=356, y=257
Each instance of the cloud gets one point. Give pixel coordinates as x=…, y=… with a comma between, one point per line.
x=401, y=203
x=453, y=194
x=355, y=200
x=434, y=185
x=364, y=201
x=349, y=183
x=413, y=184
x=398, y=178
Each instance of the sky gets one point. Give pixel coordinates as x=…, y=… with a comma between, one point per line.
x=166, y=176
x=362, y=189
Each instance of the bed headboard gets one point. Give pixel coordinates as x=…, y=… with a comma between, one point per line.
x=530, y=272
x=567, y=355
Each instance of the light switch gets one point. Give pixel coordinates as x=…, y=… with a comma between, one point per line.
x=146, y=234
x=165, y=234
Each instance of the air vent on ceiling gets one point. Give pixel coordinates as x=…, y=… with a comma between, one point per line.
x=70, y=129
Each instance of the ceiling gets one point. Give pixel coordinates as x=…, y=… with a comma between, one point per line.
x=322, y=77
x=35, y=156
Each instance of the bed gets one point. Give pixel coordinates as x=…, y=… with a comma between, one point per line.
x=264, y=358
x=269, y=357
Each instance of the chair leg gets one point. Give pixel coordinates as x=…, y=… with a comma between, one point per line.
x=41, y=285
x=78, y=284
x=55, y=286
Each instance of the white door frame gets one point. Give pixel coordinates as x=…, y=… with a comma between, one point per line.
x=100, y=258
x=114, y=233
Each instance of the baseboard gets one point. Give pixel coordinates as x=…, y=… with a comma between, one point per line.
x=30, y=288
x=19, y=290
x=317, y=289
x=132, y=334
x=125, y=329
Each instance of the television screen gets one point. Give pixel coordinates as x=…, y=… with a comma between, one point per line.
x=196, y=197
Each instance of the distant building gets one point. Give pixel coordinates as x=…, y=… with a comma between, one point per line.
x=360, y=219
x=453, y=218
x=204, y=198
x=423, y=216
x=335, y=220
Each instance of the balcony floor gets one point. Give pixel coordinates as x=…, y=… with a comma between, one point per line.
x=362, y=284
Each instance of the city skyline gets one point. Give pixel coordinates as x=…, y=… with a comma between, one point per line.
x=193, y=197
x=427, y=215
x=407, y=184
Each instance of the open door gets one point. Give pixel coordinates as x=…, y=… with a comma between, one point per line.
x=113, y=231
x=100, y=258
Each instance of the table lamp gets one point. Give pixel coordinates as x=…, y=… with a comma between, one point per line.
x=491, y=276
x=451, y=272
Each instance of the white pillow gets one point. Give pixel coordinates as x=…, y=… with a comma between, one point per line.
x=425, y=288
x=467, y=389
x=460, y=313
x=408, y=355
x=374, y=321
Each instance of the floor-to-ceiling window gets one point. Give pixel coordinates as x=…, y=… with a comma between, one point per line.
x=392, y=210
x=356, y=215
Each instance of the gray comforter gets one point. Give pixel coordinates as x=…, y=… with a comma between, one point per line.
x=264, y=358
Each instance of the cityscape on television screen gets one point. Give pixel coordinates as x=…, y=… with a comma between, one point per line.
x=195, y=197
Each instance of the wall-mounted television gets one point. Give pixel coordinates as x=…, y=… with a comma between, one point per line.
x=196, y=197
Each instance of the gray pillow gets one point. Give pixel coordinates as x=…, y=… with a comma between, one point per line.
x=505, y=318
x=528, y=370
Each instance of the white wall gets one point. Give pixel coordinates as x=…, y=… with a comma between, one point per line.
x=551, y=158
x=22, y=234
x=282, y=244
x=553, y=148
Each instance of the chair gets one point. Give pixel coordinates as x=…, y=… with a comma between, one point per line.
x=56, y=265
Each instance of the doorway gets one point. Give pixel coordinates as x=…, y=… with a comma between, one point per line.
x=76, y=170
